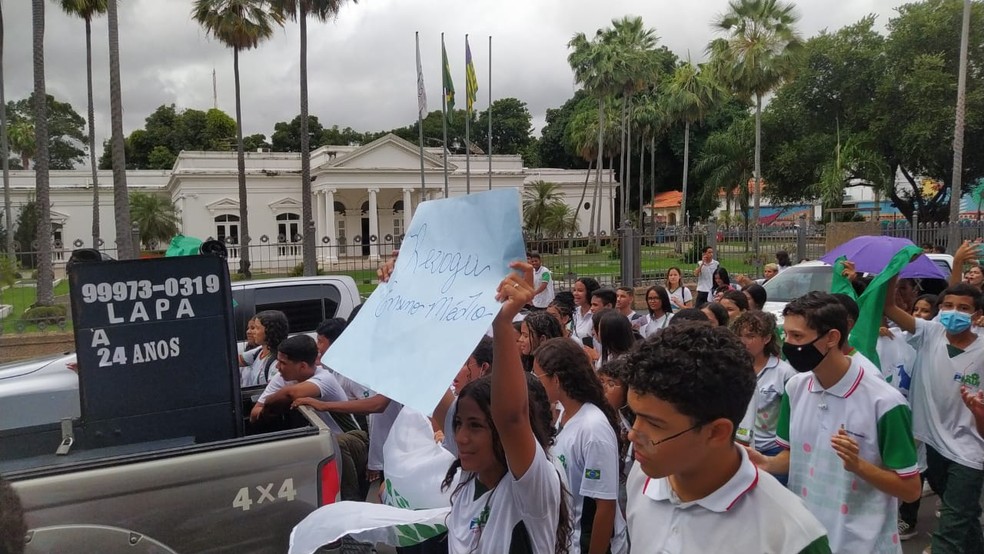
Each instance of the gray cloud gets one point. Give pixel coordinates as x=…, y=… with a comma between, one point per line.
x=361, y=66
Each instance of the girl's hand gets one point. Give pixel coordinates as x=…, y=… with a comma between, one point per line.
x=516, y=290
x=386, y=269
x=974, y=400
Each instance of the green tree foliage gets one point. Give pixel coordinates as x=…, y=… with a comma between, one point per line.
x=66, y=132
x=171, y=130
x=545, y=214
x=553, y=147
x=286, y=136
x=255, y=142
x=26, y=233
x=155, y=216
x=512, y=126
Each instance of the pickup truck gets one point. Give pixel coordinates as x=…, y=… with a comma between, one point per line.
x=133, y=484
x=45, y=390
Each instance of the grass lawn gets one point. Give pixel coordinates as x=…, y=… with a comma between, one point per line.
x=21, y=298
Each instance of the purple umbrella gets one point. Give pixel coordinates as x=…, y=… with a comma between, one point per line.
x=871, y=255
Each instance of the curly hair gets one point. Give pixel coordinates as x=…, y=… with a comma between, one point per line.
x=689, y=315
x=704, y=372
x=760, y=324
x=567, y=360
x=275, y=326
x=541, y=417
x=542, y=327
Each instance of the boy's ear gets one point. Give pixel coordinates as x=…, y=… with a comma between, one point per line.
x=722, y=431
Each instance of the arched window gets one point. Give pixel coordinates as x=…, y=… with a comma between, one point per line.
x=339, y=207
x=227, y=228
x=289, y=233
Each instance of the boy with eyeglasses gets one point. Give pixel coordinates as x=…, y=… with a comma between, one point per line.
x=692, y=488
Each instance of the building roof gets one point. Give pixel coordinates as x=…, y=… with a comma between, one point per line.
x=668, y=199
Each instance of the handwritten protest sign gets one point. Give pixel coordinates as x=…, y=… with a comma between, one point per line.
x=414, y=333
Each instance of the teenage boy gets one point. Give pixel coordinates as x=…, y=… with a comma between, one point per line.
x=623, y=303
x=847, y=433
x=693, y=490
x=705, y=275
x=949, y=355
x=542, y=281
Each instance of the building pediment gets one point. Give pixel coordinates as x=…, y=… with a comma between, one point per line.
x=58, y=217
x=387, y=153
x=285, y=205
x=224, y=205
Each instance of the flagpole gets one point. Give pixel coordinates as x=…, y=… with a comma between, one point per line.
x=468, y=113
x=421, y=108
x=490, y=112
x=444, y=119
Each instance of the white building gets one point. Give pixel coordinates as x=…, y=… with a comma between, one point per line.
x=364, y=197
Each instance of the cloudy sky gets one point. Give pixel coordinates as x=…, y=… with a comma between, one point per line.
x=361, y=67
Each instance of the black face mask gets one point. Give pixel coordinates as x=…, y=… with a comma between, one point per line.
x=803, y=357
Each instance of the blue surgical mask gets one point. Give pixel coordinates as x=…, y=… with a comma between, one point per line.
x=955, y=321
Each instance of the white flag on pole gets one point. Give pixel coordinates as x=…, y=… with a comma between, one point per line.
x=421, y=90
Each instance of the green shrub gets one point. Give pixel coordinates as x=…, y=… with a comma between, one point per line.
x=46, y=314
x=298, y=270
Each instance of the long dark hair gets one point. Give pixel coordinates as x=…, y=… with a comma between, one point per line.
x=570, y=364
x=276, y=329
x=541, y=416
x=723, y=274
x=615, y=333
x=590, y=285
x=664, y=300
x=542, y=327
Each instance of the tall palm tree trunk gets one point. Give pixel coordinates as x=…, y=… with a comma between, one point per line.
x=241, y=163
x=642, y=162
x=307, y=246
x=623, y=205
x=92, y=134
x=595, y=210
x=121, y=197
x=45, y=288
x=584, y=192
x=652, y=172
x=628, y=160
x=958, y=133
x=758, y=173
x=8, y=221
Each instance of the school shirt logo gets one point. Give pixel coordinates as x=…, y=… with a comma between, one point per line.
x=594, y=474
x=478, y=523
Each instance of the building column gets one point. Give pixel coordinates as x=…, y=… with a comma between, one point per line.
x=407, y=208
x=373, y=226
x=330, y=228
x=318, y=225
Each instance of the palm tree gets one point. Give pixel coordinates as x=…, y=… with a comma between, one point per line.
x=121, y=199
x=46, y=276
x=758, y=54
x=22, y=141
x=649, y=118
x=958, y=131
x=538, y=198
x=240, y=24
x=87, y=9
x=594, y=65
x=299, y=10
x=689, y=95
x=635, y=70
x=852, y=161
x=5, y=153
x=727, y=163
x=155, y=216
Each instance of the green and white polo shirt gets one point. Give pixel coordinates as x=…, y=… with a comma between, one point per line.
x=543, y=299
x=858, y=517
x=752, y=512
x=939, y=417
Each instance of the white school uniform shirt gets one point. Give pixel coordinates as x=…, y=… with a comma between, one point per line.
x=254, y=372
x=751, y=513
x=330, y=390
x=489, y=524
x=858, y=517
x=705, y=281
x=939, y=417
x=543, y=299
x=896, y=356
x=654, y=324
x=583, y=325
x=769, y=388
x=682, y=294
x=587, y=449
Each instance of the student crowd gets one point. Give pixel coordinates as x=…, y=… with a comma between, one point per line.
x=579, y=425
